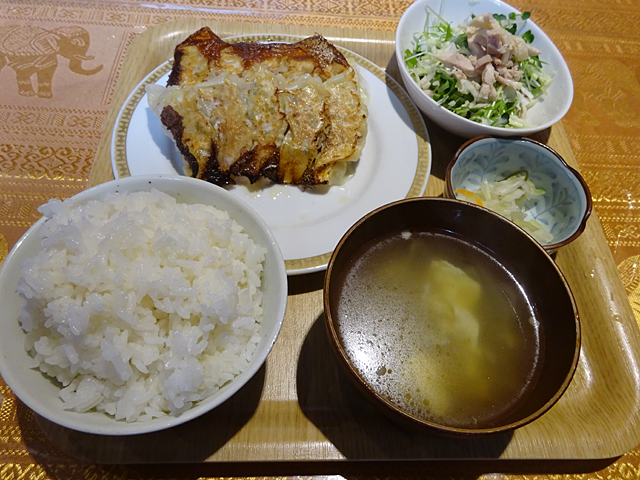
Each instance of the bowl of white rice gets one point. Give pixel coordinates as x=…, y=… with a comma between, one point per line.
x=139, y=304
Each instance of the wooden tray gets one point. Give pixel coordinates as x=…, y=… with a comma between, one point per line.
x=299, y=407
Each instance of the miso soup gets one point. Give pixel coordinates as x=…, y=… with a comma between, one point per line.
x=440, y=327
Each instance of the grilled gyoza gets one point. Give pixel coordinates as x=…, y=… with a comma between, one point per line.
x=292, y=113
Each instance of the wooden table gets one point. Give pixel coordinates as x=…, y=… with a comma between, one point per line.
x=59, y=145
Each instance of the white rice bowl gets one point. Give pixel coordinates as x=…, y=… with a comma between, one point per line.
x=142, y=313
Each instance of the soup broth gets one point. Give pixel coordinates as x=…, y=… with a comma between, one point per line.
x=438, y=326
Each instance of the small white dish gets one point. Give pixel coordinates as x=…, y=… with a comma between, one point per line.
x=566, y=204
x=308, y=223
x=40, y=393
x=549, y=110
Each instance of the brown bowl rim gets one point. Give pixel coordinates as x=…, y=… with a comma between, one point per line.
x=552, y=247
x=395, y=411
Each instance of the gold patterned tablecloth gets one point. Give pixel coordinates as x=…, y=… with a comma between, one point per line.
x=52, y=114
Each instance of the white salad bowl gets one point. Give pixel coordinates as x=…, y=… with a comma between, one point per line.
x=564, y=207
x=549, y=108
x=41, y=394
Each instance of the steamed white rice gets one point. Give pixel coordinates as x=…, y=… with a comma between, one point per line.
x=140, y=306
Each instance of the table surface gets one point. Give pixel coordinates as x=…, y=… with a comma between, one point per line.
x=49, y=142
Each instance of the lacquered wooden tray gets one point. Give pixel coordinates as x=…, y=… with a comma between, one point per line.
x=299, y=407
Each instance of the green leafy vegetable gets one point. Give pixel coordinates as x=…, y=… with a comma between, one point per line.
x=528, y=36
x=409, y=58
x=456, y=92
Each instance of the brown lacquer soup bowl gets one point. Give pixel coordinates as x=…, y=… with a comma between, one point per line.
x=450, y=318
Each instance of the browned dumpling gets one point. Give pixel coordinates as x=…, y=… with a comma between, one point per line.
x=292, y=113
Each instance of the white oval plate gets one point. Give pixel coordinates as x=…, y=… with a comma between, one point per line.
x=308, y=223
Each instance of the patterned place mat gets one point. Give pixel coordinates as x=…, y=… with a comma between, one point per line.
x=47, y=144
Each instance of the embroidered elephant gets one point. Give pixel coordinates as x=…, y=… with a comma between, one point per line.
x=30, y=50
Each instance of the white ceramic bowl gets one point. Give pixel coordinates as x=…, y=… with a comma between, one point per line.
x=566, y=204
x=550, y=110
x=41, y=394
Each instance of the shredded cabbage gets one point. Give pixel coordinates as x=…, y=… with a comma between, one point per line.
x=471, y=93
x=509, y=197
